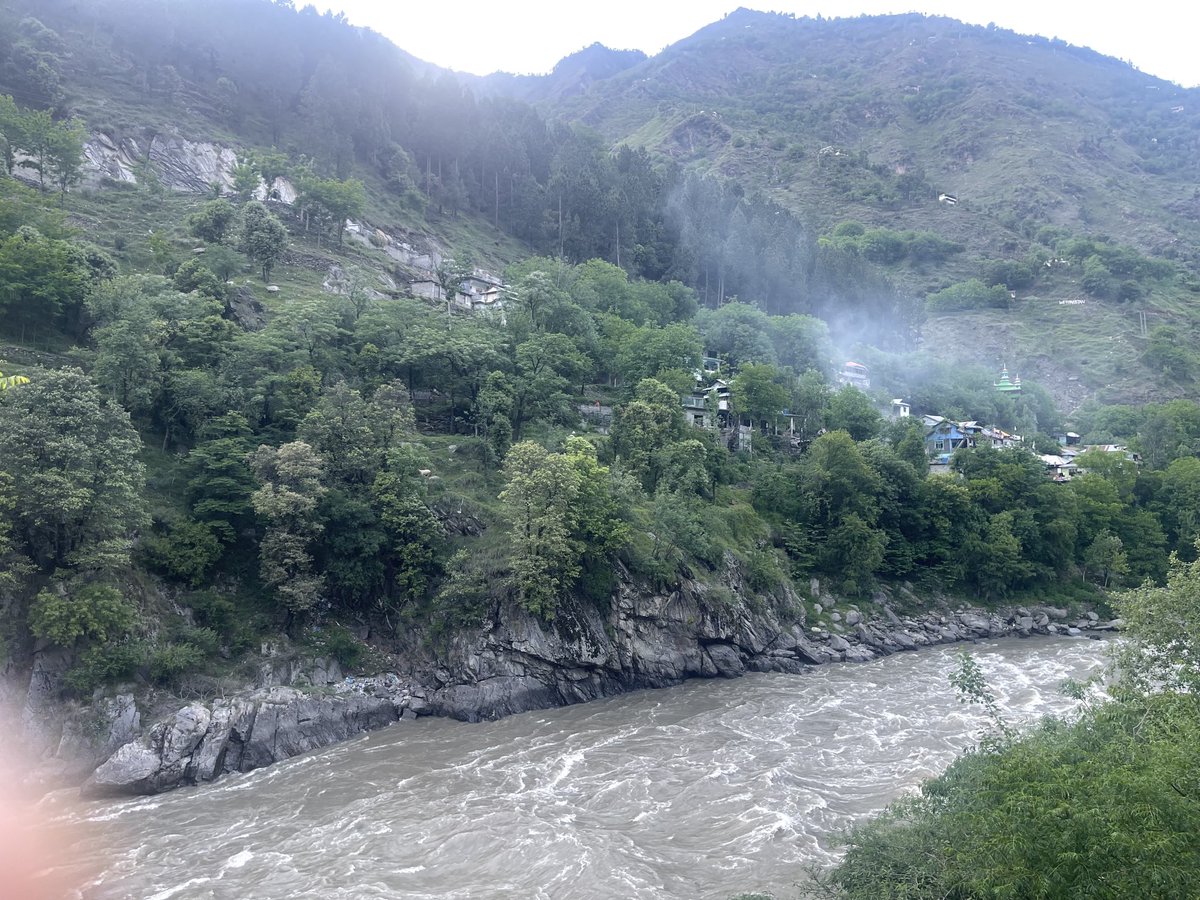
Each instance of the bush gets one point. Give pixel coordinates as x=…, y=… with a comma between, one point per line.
x=1008, y=273
x=172, y=660
x=186, y=553
x=105, y=663
x=338, y=642
x=96, y=611
x=970, y=294
x=1105, y=807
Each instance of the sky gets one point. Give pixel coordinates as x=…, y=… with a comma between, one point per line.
x=530, y=36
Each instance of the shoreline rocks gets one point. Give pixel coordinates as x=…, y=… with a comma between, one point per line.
x=518, y=663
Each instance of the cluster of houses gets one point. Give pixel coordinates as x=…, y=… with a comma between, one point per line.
x=709, y=406
x=943, y=437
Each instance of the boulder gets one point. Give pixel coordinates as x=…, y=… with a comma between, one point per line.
x=976, y=624
x=903, y=640
x=725, y=660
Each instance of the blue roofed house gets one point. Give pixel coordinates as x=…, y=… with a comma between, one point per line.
x=943, y=436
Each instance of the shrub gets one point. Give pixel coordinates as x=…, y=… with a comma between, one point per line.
x=185, y=553
x=338, y=642
x=970, y=294
x=172, y=660
x=105, y=663
x=96, y=611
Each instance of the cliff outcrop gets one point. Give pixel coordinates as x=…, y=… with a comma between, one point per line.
x=516, y=662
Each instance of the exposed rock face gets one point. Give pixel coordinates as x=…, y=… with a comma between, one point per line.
x=104, y=158
x=280, y=190
x=204, y=741
x=517, y=663
x=191, y=166
x=246, y=309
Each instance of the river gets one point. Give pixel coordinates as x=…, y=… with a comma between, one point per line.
x=704, y=790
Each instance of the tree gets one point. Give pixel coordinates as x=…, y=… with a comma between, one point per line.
x=850, y=410
x=65, y=154
x=89, y=611
x=412, y=531
x=645, y=426
x=1011, y=820
x=757, y=393
x=339, y=430
x=539, y=496
x=332, y=200
x=290, y=479
x=220, y=482
x=547, y=363
x=212, y=221
x=1105, y=558
x=262, y=237
x=1163, y=628
x=76, y=474
x=43, y=281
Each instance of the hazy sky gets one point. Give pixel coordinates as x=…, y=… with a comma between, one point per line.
x=482, y=36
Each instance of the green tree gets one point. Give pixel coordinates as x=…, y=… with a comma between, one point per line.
x=291, y=488
x=333, y=201
x=644, y=427
x=76, y=474
x=413, y=533
x=758, y=393
x=65, y=154
x=87, y=611
x=262, y=237
x=1105, y=558
x=1012, y=820
x=539, y=497
x=213, y=221
x=43, y=282
x=851, y=410
x=220, y=482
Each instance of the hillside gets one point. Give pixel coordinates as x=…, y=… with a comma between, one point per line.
x=323, y=354
x=748, y=145
x=871, y=119
x=1023, y=130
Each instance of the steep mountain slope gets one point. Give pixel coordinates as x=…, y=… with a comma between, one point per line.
x=807, y=124
x=874, y=119
x=1019, y=129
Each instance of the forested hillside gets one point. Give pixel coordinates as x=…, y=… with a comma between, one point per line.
x=251, y=417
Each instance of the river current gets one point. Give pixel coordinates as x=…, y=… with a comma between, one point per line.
x=699, y=791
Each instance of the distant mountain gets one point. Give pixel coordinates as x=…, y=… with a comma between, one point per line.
x=873, y=119
x=1035, y=203
x=1018, y=128
x=573, y=75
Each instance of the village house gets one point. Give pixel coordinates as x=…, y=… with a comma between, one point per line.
x=1059, y=468
x=855, y=374
x=943, y=436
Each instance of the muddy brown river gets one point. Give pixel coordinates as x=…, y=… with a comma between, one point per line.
x=700, y=791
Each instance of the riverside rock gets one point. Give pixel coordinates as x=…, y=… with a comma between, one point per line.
x=516, y=662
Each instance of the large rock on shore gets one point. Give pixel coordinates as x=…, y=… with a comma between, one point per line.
x=202, y=742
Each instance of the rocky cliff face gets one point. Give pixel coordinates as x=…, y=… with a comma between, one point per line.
x=516, y=662
x=179, y=164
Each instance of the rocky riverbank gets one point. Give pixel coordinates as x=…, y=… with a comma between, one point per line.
x=517, y=663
